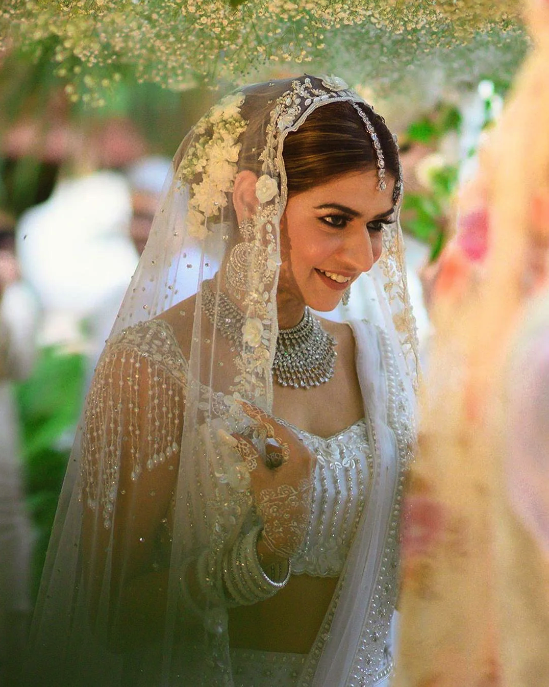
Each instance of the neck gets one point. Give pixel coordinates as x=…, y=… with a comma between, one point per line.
x=290, y=310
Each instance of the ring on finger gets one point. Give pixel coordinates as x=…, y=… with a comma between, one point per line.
x=274, y=459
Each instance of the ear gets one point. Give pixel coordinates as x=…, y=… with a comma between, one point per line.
x=244, y=199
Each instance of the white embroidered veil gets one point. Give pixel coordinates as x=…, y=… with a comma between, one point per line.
x=148, y=451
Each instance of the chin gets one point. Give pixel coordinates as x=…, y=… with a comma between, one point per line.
x=323, y=304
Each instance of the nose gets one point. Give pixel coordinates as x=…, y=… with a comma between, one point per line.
x=358, y=251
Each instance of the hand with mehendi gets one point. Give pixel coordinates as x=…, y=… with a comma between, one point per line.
x=281, y=482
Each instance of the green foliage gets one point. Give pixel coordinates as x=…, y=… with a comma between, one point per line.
x=422, y=131
x=25, y=182
x=49, y=405
x=427, y=211
x=432, y=128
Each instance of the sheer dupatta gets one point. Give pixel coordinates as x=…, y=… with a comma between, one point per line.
x=354, y=641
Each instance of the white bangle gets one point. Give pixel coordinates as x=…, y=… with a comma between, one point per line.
x=244, y=577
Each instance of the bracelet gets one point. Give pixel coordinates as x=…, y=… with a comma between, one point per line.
x=244, y=577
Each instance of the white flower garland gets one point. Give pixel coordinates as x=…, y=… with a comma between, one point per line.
x=214, y=155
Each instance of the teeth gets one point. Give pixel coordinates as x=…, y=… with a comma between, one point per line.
x=339, y=278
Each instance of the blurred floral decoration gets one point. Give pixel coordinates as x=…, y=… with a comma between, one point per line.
x=94, y=44
x=426, y=206
x=155, y=60
x=438, y=165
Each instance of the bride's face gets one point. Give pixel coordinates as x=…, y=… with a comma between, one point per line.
x=330, y=235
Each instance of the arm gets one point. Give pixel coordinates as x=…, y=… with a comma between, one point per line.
x=133, y=416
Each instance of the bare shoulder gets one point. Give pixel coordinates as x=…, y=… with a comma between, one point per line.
x=180, y=317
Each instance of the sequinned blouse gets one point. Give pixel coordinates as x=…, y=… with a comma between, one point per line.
x=340, y=488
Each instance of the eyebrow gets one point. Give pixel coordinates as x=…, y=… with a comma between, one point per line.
x=351, y=212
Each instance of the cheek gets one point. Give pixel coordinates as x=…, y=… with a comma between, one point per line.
x=308, y=246
x=377, y=245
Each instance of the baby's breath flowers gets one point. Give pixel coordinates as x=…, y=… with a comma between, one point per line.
x=179, y=43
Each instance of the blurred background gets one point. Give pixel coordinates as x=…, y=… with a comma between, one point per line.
x=95, y=97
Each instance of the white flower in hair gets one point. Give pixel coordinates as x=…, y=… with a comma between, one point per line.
x=227, y=108
x=252, y=331
x=224, y=151
x=197, y=225
x=207, y=198
x=213, y=155
x=222, y=175
x=334, y=83
x=266, y=188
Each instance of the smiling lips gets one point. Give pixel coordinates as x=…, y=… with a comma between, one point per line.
x=334, y=280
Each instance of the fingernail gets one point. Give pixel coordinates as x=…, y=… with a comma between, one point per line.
x=227, y=438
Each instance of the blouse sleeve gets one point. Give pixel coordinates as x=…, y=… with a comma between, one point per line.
x=132, y=425
x=147, y=482
x=130, y=452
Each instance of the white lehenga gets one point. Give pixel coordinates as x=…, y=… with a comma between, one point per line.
x=348, y=486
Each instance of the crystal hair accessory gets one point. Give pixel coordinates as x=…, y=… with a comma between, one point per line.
x=305, y=354
x=304, y=96
x=382, y=184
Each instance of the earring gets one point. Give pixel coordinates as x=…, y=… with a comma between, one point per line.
x=240, y=257
x=246, y=229
x=238, y=266
x=346, y=296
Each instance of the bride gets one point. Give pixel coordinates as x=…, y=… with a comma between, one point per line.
x=230, y=512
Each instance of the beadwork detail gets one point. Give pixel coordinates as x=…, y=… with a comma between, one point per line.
x=342, y=480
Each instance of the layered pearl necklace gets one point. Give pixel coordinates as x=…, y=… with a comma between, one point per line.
x=305, y=354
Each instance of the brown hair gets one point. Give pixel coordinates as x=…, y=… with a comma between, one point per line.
x=333, y=141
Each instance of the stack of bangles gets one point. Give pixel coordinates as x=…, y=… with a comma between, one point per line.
x=244, y=580
x=244, y=577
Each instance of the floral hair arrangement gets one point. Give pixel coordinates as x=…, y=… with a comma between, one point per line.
x=213, y=156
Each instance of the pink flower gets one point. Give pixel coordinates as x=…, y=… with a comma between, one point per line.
x=472, y=235
x=422, y=526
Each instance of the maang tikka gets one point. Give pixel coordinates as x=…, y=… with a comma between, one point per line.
x=380, y=159
x=238, y=264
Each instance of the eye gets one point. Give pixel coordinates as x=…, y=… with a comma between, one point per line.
x=380, y=225
x=336, y=221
